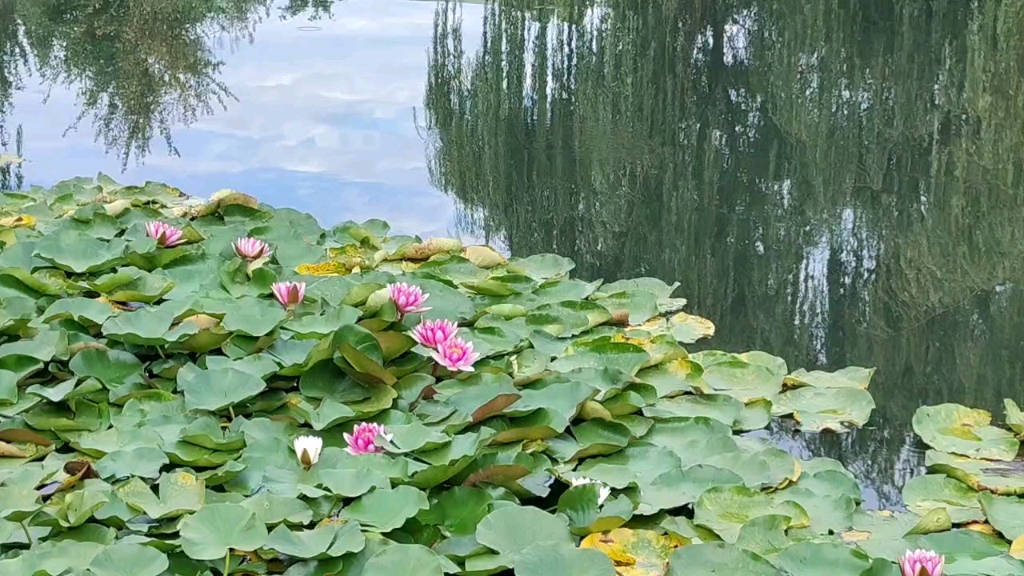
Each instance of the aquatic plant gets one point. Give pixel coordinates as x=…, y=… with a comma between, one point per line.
x=251, y=249
x=181, y=410
x=455, y=354
x=433, y=333
x=408, y=298
x=363, y=438
x=165, y=235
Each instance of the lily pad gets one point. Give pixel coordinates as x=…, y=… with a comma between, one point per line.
x=1005, y=478
x=849, y=377
x=547, y=558
x=634, y=552
x=386, y=510
x=1005, y=513
x=740, y=378
x=715, y=558
x=125, y=559
x=510, y=530
x=965, y=431
x=817, y=409
x=924, y=493
x=215, y=529
x=217, y=389
x=725, y=509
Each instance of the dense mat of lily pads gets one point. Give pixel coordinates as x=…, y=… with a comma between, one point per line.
x=177, y=401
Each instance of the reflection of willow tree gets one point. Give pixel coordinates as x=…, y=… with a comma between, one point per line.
x=834, y=181
x=139, y=66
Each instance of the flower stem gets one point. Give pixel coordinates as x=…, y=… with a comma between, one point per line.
x=231, y=410
x=28, y=535
x=334, y=506
x=227, y=562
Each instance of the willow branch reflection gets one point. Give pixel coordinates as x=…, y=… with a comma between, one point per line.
x=837, y=182
x=139, y=67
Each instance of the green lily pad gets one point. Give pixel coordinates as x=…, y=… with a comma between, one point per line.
x=207, y=432
x=217, y=389
x=1014, y=416
x=742, y=377
x=725, y=509
x=715, y=558
x=112, y=367
x=144, y=462
x=404, y=559
x=18, y=504
x=965, y=431
x=85, y=311
x=813, y=558
x=1006, y=478
x=849, y=377
x=924, y=493
x=80, y=253
x=541, y=266
x=545, y=558
x=459, y=510
x=274, y=509
x=511, y=530
x=125, y=559
x=253, y=316
x=215, y=529
x=1004, y=513
x=817, y=409
x=330, y=539
x=180, y=493
x=385, y=510
x=80, y=504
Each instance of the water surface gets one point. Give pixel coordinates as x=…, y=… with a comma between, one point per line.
x=834, y=181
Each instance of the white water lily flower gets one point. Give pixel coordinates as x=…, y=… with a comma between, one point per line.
x=603, y=492
x=307, y=448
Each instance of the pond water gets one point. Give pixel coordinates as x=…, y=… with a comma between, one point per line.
x=834, y=181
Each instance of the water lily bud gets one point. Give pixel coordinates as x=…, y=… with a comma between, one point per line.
x=408, y=299
x=307, y=448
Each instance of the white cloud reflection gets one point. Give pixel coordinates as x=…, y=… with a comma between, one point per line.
x=324, y=122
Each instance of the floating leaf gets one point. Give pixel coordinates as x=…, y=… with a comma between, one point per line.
x=836, y=409
x=849, y=377
x=217, y=389
x=385, y=510
x=634, y=552
x=218, y=528
x=125, y=559
x=965, y=431
x=717, y=558
x=924, y=493
x=547, y=558
x=1005, y=513
x=512, y=529
x=725, y=509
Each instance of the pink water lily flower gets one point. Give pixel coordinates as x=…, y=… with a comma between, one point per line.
x=921, y=563
x=289, y=294
x=433, y=333
x=408, y=299
x=361, y=440
x=165, y=235
x=251, y=248
x=456, y=354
